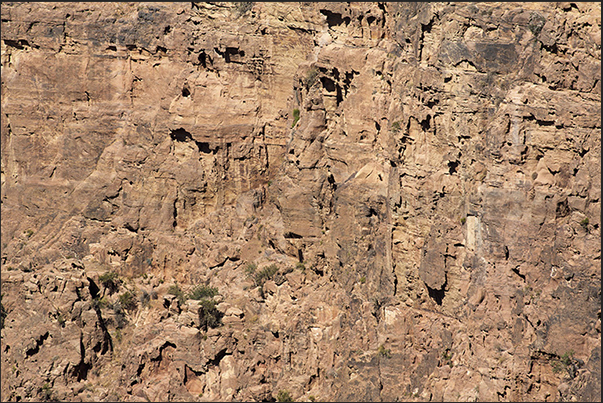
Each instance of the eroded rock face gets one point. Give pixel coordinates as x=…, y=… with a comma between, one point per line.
x=394, y=201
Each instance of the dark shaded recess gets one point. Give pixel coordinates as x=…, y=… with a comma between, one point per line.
x=131, y=47
x=370, y=19
x=292, y=235
x=539, y=122
x=163, y=347
x=516, y=271
x=300, y=255
x=229, y=53
x=426, y=123
x=204, y=59
x=181, y=134
x=216, y=360
x=39, y=342
x=377, y=126
x=112, y=48
x=94, y=290
x=167, y=30
x=186, y=92
x=339, y=95
x=160, y=49
x=20, y=44
x=437, y=295
x=562, y=209
x=328, y=84
x=331, y=180
x=452, y=165
x=80, y=371
x=335, y=73
x=334, y=19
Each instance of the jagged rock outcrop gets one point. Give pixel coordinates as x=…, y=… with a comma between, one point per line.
x=392, y=201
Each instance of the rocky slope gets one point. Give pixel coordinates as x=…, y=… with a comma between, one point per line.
x=361, y=201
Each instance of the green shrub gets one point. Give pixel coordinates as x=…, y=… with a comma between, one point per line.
x=251, y=268
x=311, y=78
x=362, y=280
x=128, y=301
x=384, y=352
x=295, y=117
x=175, y=290
x=203, y=291
x=28, y=233
x=267, y=273
x=209, y=316
x=243, y=6
x=110, y=281
x=46, y=391
x=463, y=220
x=396, y=127
x=284, y=396
x=300, y=266
x=584, y=223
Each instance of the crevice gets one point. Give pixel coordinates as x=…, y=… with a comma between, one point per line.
x=34, y=350
x=292, y=235
x=516, y=271
x=217, y=358
x=438, y=295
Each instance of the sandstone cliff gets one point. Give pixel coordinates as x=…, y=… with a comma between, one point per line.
x=361, y=201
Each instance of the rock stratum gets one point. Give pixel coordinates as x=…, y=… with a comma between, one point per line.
x=307, y=201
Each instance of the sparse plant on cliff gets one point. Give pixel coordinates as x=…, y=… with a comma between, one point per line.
x=295, y=117
x=565, y=362
x=128, y=301
x=203, y=291
x=243, y=6
x=267, y=273
x=396, y=127
x=178, y=293
x=447, y=357
x=384, y=352
x=311, y=78
x=463, y=220
x=46, y=392
x=110, y=281
x=584, y=223
x=284, y=396
x=209, y=316
x=301, y=266
x=28, y=233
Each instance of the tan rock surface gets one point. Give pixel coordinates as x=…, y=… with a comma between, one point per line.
x=428, y=230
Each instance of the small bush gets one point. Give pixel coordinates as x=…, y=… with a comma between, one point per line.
x=284, y=396
x=312, y=398
x=110, y=281
x=145, y=298
x=175, y=290
x=251, y=268
x=384, y=352
x=463, y=220
x=203, y=291
x=28, y=233
x=295, y=117
x=128, y=301
x=584, y=223
x=396, y=127
x=362, y=280
x=300, y=266
x=311, y=78
x=267, y=273
x=243, y=6
x=209, y=316
x=46, y=391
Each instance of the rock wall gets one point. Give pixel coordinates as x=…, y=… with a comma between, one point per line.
x=393, y=201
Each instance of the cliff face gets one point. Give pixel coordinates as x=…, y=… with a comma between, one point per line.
x=424, y=179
